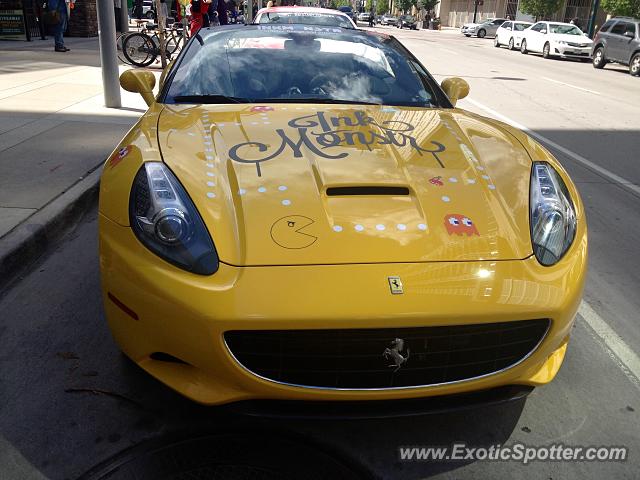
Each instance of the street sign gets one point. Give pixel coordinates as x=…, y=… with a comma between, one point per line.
x=12, y=25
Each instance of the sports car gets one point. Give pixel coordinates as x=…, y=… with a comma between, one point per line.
x=303, y=213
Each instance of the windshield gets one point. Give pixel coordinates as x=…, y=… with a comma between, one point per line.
x=305, y=18
x=565, y=29
x=521, y=26
x=409, y=18
x=299, y=63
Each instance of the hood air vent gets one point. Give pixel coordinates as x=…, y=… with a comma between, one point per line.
x=366, y=190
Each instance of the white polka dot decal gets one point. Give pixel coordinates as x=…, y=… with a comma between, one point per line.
x=359, y=228
x=337, y=228
x=401, y=226
x=422, y=226
x=211, y=194
x=211, y=174
x=380, y=227
x=282, y=188
x=211, y=184
x=445, y=199
x=242, y=191
x=286, y=202
x=262, y=189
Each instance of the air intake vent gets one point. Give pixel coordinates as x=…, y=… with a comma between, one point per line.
x=370, y=190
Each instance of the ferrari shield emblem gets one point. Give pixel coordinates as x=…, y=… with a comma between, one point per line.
x=395, y=284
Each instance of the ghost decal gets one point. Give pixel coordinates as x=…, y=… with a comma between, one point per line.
x=460, y=224
x=289, y=232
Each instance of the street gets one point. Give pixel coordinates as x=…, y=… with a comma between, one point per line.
x=71, y=400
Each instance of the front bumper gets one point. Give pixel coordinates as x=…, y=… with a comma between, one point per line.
x=469, y=30
x=568, y=51
x=154, y=307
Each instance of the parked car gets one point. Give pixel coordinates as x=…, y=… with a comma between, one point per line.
x=407, y=21
x=618, y=41
x=364, y=17
x=388, y=20
x=349, y=11
x=304, y=15
x=554, y=39
x=510, y=34
x=481, y=30
x=269, y=228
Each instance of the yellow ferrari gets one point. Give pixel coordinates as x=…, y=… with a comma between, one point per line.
x=304, y=214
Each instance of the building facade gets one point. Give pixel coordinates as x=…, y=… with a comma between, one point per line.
x=454, y=13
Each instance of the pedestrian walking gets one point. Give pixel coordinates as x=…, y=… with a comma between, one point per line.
x=59, y=11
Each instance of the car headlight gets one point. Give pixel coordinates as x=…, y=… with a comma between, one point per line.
x=165, y=220
x=560, y=42
x=553, y=217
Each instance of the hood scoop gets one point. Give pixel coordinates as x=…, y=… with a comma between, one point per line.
x=373, y=190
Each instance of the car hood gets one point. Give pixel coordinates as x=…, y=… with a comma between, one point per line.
x=563, y=37
x=468, y=25
x=301, y=184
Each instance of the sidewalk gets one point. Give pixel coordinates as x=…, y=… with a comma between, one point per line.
x=54, y=129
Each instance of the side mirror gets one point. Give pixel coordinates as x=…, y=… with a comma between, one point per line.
x=456, y=89
x=629, y=34
x=139, y=81
x=543, y=32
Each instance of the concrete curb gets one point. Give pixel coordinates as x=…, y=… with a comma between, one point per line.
x=26, y=243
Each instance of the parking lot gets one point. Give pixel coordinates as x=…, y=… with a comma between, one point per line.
x=71, y=401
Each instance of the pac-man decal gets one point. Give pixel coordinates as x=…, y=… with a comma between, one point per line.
x=460, y=225
x=289, y=232
x=117, y=157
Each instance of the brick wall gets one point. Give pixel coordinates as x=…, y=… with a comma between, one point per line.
x=83, y=21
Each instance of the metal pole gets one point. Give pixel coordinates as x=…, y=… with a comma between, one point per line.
x=161, y=24
x=475, y=10
x=248, y=15
x=592, y=19
x=108, y=53
x=124, y=16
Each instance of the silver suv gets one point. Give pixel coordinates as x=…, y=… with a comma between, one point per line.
x=618, y=41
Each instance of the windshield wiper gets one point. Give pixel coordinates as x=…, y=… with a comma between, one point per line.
x=209, y=99
x=312, y=100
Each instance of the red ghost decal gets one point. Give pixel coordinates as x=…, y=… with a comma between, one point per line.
x=460, y=224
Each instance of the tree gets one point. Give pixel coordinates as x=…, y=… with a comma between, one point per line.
x=381, y=7
x=404, y=5
x=625, y=8
x=428, y=5
x=539, y=8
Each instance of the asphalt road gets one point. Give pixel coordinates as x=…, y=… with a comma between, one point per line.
x=70, y=400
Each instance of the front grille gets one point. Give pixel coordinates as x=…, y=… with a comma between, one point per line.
x=353, y=358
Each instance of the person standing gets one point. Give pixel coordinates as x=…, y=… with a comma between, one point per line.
x=62, y=7
x=198, y=11
x=222, y=10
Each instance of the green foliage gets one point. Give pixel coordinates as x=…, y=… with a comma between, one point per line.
x=405, y=5
x=626, y=8
x=429, y=5
x=381, y=7
x=540, y=9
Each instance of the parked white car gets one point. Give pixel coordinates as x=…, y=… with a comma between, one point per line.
x=510, y=34
x=554, y=39
x=481, y=30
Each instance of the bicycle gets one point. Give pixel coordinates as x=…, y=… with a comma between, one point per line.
x=141, y=49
